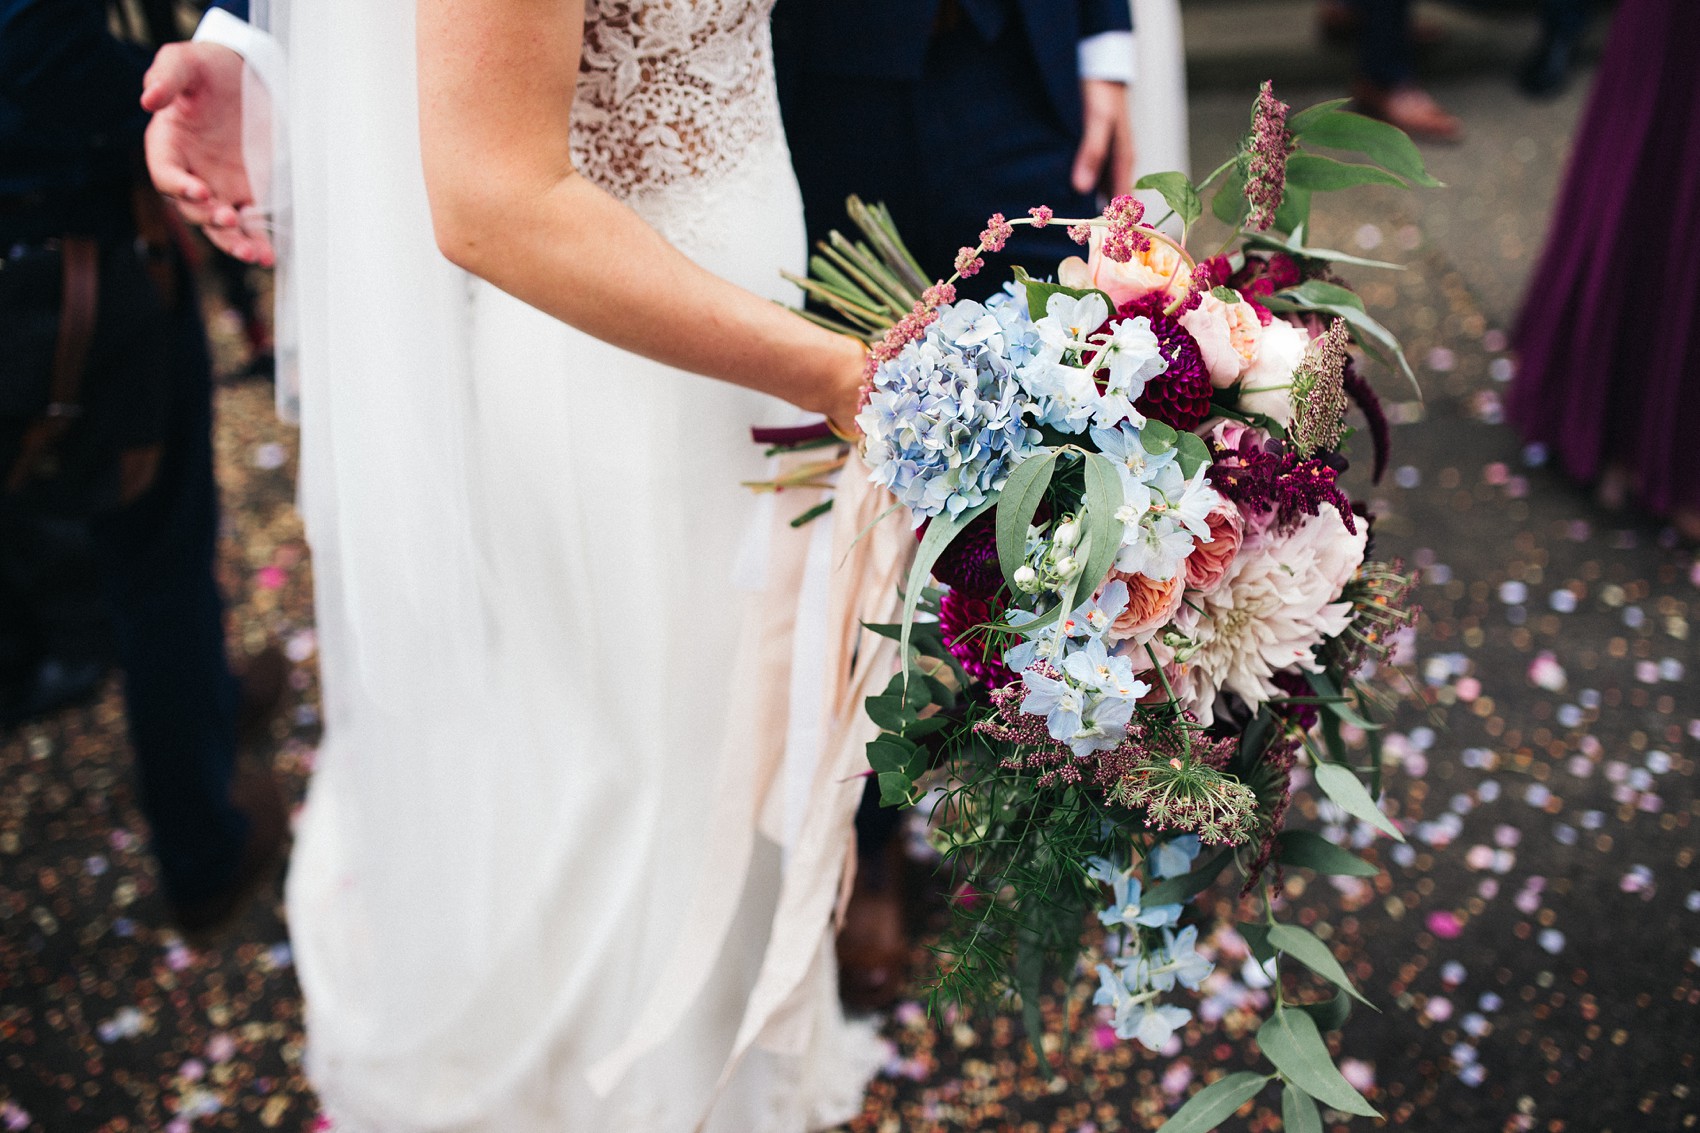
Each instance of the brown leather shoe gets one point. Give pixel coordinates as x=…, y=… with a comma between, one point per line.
x=256, y=795
x=1410, y=108
x=873, y=944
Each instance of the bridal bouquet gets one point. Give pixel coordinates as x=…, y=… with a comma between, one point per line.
x=1141, y=596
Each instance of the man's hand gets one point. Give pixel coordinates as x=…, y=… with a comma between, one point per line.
x=1104, y=160
x=194, y=144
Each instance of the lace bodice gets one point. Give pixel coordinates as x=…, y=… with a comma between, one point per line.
x=673, y=93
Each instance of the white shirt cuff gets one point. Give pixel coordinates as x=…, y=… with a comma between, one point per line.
x=262, y=53
x=1109, y=55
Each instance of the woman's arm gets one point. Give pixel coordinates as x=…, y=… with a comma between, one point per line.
x=496, y=85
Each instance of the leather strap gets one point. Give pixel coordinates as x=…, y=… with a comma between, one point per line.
x=79, y=262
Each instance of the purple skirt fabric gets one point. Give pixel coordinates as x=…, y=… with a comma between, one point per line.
x=1609, y=335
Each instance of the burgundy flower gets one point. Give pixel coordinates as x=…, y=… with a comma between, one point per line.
x=970, y=563
x=1293, y=683
x=960, y=615
x=1180, y=395
x=1273, y=478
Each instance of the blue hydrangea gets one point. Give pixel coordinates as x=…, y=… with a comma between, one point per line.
x=947, y=418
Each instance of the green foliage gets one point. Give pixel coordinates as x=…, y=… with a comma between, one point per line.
x=1298, y=1111
x=1178, y=193
x=1179, y=890
x=1039, y=293
x=1339, y=783
x=1305, y=947
x=1291, y=1041
x=1329, y=1014
x=1216, y=1102
x=1022, y=494
x=1313, y=851
x=1103, y=531
x=1385, y=145
x=1326, y=174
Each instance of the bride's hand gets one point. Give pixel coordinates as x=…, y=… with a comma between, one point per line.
x=844, y=388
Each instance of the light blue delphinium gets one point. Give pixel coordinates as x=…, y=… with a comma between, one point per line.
x=1089, y=620
x=1163, y=512
x=1088, y=703
x=1136, y=1017
x=947, y=419
x=1182, y=958
x=1152, y=1025
x=1132, y=357
x=1125, y=910
x=1174, y=857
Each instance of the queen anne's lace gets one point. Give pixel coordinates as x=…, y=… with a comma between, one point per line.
x=672, y=92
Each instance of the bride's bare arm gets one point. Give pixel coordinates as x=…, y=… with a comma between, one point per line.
x=496, y=83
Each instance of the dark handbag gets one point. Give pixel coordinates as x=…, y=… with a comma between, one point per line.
x=85, y=379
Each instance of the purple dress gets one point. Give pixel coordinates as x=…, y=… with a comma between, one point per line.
x=1610, y=330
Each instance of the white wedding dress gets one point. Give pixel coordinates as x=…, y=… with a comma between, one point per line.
x=575, y=834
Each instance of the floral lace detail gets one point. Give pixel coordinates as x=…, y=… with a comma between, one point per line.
x=672, y=92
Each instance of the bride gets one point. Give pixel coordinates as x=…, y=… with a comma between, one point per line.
x=570, y=853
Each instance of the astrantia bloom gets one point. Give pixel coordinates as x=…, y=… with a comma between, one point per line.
x=1277, y=602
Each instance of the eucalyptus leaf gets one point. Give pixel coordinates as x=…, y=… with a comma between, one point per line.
x=940, y=532
x=1256, y=937
x=1322, y=174
x=1298, y=1111
x=926, y=726
x=1023, y=492
x=1386, y=145
x=1312, y=851
x=1194, y=453
x=1104, y=531
x=1296, y=247
x=1331, y=1014
x=1157, y=437
x=889, y=753
x=1339, y=783
x=895, y=788
x=1308, y=949
x=1291, y=1041
x=888, y=712
x=1216, y=1103
x=1322, y=294
x=1179, y=890
x=1178, y=192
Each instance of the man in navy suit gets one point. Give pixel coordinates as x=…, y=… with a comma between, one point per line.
x=950, y=110
x=74, y=219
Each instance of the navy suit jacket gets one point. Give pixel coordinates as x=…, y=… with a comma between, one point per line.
x=70, y=113
x=888, y=39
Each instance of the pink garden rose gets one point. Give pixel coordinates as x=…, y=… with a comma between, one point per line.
x=1227, y=336
x=1151, y=605
x=1157, y=268
x=1210, y=560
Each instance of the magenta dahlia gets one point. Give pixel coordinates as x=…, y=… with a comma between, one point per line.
x=1180, y=395
x=960, y=616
